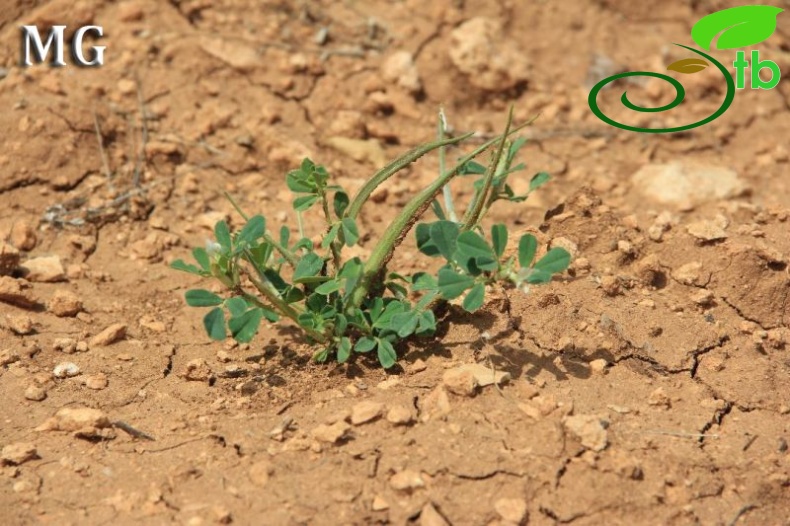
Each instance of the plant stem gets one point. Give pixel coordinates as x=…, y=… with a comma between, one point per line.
x=334, y=247
x=300, y=224
x=448, y=194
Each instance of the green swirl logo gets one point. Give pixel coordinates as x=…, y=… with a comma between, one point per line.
x=735, y=27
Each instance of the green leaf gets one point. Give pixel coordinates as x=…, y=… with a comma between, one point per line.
x=537, y=276
x=444, y=235
x=201, y=256
x=365, y=344
x=321, y=355
x=427, y=323
x=330, y=236
x=304, y=202
x=499, y=239
x=186, y=267
x=285, y=236
x=340, y=203
x=387, y=354
x=236, y=306
x=538, y=180
x=309, y=266
x=474, y=300
x=423, y=281
x=299, y=181
x=424, y=242
x=437, y=209
x=452, y=284
x=350, y=231
x=253, y=230
x=517, y=144
x=527, y=246
x=405, y=323
x=223, y=235
x=244, y=327
x=472, y=168
x=214, y=323
x=473, y=253
x=328, y=287
x=385, y=319
x=556, y=260
x=343, y=350
x=202, y=298
x=742, y=26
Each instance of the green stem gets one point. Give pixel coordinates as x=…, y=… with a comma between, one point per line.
x=334, y=247
x=447, y=191
x=287, y=254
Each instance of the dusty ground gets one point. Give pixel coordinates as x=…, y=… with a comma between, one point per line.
x=649, y=384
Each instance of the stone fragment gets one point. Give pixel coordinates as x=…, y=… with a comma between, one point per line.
x=366, y=411
x=18, y=453
x=16, y=292
x=589, y=429
x=23, y=236
x=379, y=504
x=485, y=376
x=64, y=303
x=429, y=516
x=400, y=415
x=435, y=405
x=35, y=393
x=406, y=480
x=511, y=510
x=460, y=382
x=66, y=370
x=20, y=324
x=707, y=231
x=331, y=434
x=7, y=357
x=97, y=381
x=197, y=370
x=44, y=269
x=76, y=419
x=110, y=335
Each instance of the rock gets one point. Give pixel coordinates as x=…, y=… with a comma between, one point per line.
x=702, y=297
x=406, y=480
x=366, y=411
x=707, y=230
x=234, y=53
x=430, y=517
x=360, y=150
x=649, y=270
x=110, y=335
x=76, y=419
x=599, y=366
x=7, y=357
x=435, y=405
x=400, y=415
x=687, y=185
x=197, y=370
x=18, y=453
x=659, y=397
x=610, y=285
x=490, y=62
x=260, y=472
x=15, y=292
x=400, y=69
x=389, y=383
x=35, y=393
x=9, y=259
x=152, y=324
x=589, y=429
x=44, y=269
x=331, y=434
x=66, y=370
x=691, y=274
x=65, y=345
x=485, y=376
x=379, y=504
x=418, y=366
x=460, y=382
x=97, y=381
x=512, y=510
x=19, y=324
x=23, y=236
x=64, y=304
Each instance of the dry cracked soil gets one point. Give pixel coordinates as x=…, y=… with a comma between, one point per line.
x=648, y=384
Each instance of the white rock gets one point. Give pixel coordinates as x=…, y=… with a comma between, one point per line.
x=687, y=185
x=66, y=370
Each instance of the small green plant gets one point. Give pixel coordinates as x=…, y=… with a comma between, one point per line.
x=350, y=306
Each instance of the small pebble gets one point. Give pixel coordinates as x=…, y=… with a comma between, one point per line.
x=66, y=370
x=35, y=393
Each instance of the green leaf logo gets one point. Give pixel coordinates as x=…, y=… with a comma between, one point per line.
x=741, y=26
x=688, y=65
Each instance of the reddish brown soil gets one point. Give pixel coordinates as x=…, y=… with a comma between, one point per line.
x=673, y=351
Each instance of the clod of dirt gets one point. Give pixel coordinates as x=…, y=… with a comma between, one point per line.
x=7, y=357
x=110, y=335
x=15, y=292
x=64, y=304
x=369, y=150
x=687, y=185
x=197, y=370
x=418, y=366
x=707, y=230
x=331, y=434
x=490, y=62
x=18, y=453
x=65, y=345
x=399, y=68
x=44, y=269
x=400, y=415
x=23, y=236
x=485, y=376
x=260, y=472
x=539, y=406
x=429, y=516
x=511, y=510
x=76, y=419
x=610, y=285
x=459, y=381
x=435, y=405
x=366, y=411
x=406, y=480
x=379, y=504
x=9, y=258
x=20, y=324
x=589, y=429
x=66, y=370
x=97, y=381
x=35, y=393
x=648, y=269
x=235, y=54
x=691, y=274
x=659, y=397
